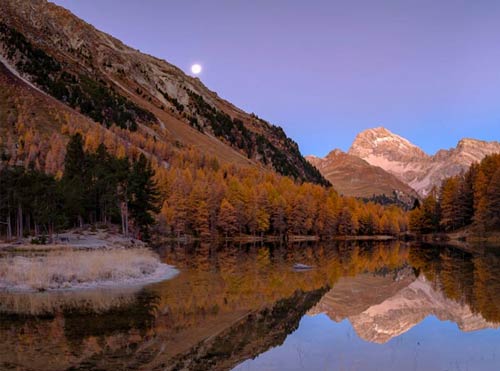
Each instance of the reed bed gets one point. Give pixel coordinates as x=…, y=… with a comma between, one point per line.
x=77, y=268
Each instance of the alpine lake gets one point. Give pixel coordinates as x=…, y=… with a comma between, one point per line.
x=358, y=305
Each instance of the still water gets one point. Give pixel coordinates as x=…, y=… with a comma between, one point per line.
x=363, y=306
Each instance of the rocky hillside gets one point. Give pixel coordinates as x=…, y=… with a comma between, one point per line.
x=115, y=86
x=352, y=176
x=410, y=164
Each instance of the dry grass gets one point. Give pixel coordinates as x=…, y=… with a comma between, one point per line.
x=76, y=268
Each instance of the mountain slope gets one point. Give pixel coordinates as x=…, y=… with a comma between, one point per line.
x=115, y=85
x=410, y=164
x=353, y=176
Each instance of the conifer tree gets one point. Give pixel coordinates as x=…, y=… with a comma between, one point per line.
x=144, y=195
x=75, y=178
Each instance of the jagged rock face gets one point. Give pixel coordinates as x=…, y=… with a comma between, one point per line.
x=353, y=176
x=411, y=165
x=385, y=309
x=381, y=142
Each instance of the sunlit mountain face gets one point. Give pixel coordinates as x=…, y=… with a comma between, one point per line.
x=382, y=162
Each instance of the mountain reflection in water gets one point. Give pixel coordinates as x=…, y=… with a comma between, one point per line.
x=233, y=303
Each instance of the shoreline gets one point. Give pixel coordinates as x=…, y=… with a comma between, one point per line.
x=77, y=240
x=80, y=260
x=293, y=238
x=465, y=236
x=164, y=272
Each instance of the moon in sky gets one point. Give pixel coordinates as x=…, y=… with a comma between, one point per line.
x=196, y=69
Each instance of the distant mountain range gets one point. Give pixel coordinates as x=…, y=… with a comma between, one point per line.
x=380, y=161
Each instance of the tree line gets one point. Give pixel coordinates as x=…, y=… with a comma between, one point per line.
x=206, y=199
x=95, y=187
x=468, y=199
x=200, y=196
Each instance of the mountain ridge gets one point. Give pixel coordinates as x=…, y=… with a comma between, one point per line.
x=406, y=161
x=72, y=61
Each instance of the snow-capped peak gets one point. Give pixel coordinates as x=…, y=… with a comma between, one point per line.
x=400, y=157
x=382, y=142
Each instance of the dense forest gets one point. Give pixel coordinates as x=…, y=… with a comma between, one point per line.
x=210, y=199
x=469, y=199
x=49, y=184
x=94, y=188
x=191, y=194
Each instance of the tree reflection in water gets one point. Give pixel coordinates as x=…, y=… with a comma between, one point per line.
x=228, y=304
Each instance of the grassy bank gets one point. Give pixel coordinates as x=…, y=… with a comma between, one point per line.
x=69, y=268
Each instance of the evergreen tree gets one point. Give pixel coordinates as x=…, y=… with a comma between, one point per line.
x=75, y=179
x=108, y=174
x=46, y=204
x=143, y=195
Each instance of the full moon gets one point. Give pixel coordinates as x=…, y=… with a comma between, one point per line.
x=196, y=68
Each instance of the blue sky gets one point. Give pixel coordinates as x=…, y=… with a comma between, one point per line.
x=325, y=70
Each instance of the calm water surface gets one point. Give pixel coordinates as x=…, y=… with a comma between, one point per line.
x=364, y=306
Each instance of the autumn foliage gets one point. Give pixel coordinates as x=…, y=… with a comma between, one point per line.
x=199, y=195
x=209, y=199
x=468, y=199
